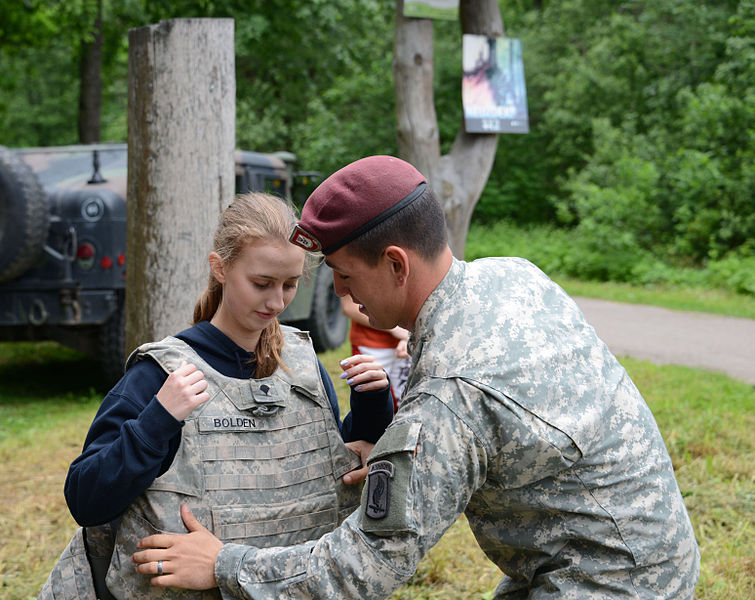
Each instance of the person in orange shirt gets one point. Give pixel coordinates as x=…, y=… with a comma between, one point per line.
x=387, y=346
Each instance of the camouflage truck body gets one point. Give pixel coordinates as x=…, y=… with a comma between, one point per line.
x=63, y=254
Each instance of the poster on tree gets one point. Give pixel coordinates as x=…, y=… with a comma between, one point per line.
x=432, y=9
x=492, y=89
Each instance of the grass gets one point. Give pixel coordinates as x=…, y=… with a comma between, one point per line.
x=49, y=394
x=706, y=419
x=46, y=406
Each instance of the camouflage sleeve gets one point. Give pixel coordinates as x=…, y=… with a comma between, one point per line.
x=422, y=474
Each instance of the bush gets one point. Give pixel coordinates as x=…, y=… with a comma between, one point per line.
x=568, y=252
x=734, y=272
x=642, y=121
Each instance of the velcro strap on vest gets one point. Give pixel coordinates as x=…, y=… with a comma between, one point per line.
x=266, y=452
x=248, y=531
x=244, y=481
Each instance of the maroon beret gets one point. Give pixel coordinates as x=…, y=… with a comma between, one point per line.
x=354, y=199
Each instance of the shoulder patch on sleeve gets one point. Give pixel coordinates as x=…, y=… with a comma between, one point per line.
x=379, y=489
x=385, y=498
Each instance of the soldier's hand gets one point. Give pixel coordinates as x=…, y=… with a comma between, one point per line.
x=363, y=373
x=362, y=449
x=181, y=560
x=183, y=391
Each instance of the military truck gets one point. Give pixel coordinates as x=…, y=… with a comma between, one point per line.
x=63, y=255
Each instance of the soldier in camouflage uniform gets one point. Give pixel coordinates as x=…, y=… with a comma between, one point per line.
x=515, y=413
x=256, y=447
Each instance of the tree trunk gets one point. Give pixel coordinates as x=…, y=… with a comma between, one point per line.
x=90, y=83
x=181, y=138
x=458, y=177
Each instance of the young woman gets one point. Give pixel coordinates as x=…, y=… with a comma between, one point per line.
x=235, y=416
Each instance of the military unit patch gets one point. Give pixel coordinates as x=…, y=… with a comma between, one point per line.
x=379, y=489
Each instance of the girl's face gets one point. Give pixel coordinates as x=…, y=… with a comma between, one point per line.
x=259, y=284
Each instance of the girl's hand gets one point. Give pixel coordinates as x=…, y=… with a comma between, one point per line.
x=362, y=449
x=363, y=373
x=183, y=391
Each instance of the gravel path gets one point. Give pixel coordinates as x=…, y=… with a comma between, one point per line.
x=717, y=343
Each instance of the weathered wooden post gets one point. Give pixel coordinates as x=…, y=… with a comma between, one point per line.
x=181, y=138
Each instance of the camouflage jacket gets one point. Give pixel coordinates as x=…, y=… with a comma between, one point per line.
x=516, y=414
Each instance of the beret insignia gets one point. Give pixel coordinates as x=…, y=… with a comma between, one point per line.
x=304, y=239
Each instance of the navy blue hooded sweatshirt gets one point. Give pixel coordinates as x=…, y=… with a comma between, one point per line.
x=133, y=439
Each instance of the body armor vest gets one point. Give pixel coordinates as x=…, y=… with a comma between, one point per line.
x=260, y=463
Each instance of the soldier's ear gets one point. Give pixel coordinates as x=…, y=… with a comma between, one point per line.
x=216, y=267
x=398, y=261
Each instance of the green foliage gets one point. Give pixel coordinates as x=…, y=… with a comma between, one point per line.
x=38, y=102
x=289, y=56
x=360, y=107
x=649, y=193
x=569, y=253
x=305, y=69
x=289, y=60
x=642, y=115
x=642, y=121
x=39, y=69
x=35, y=23
x=735, y=271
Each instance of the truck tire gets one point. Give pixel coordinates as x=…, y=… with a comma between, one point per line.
x=24, y=216
x=327, y=325
x=112, y=343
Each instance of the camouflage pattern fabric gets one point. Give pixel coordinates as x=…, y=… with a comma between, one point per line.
x=71, y=577
x=516, y=414
x=80, y=571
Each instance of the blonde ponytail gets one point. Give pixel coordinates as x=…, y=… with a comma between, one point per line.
x=208, y=302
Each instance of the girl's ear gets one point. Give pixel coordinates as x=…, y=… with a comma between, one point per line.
x=216, y=267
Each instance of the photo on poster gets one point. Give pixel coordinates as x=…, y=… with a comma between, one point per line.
x=492, y=90
x=432, y=9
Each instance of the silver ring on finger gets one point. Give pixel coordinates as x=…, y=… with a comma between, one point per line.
x=159, y=567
